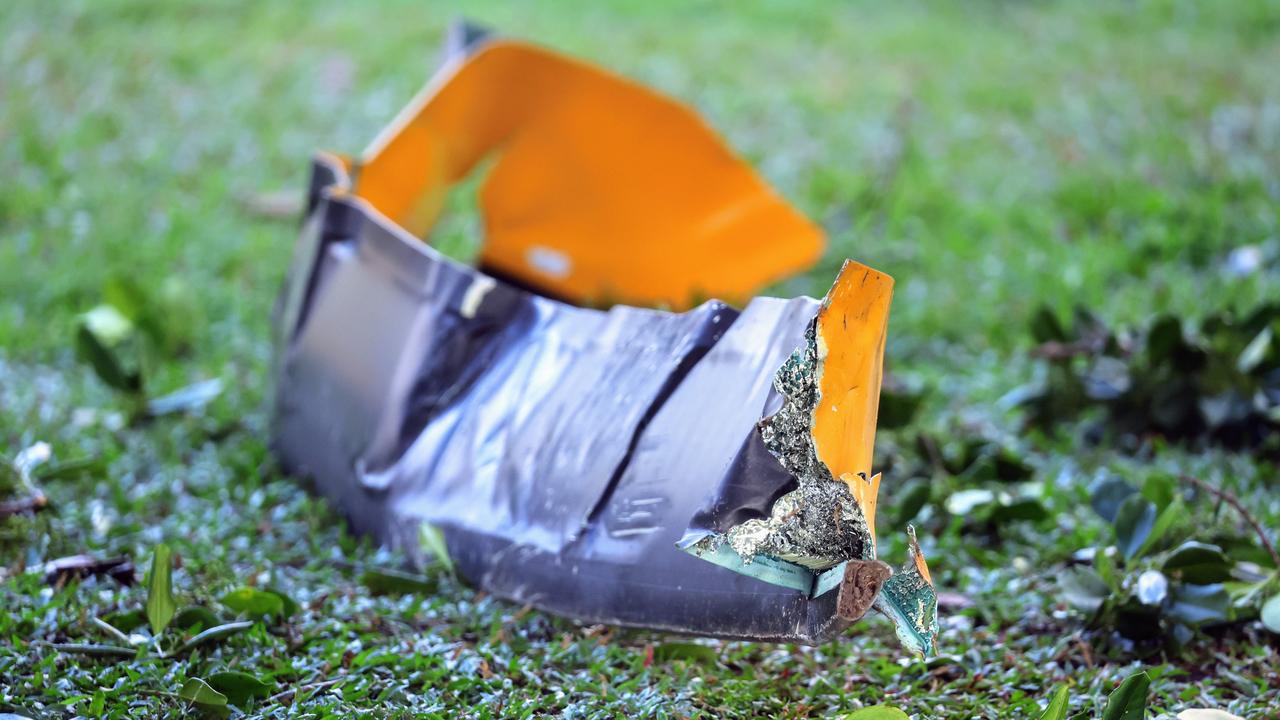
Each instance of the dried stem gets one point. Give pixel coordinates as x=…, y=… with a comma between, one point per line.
x=1234, y=502
x=33, y=504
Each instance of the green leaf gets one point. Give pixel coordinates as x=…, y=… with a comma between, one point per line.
x=1045, y=326
x=1057, y=709
x=1022, y=508
x=1084, y=589
x=433, y=541
x=1160, y=488
x=160, y=602
x=1107, y=494
x=195, y=616
x=1255, y=352
x=1129, y=701
x=239, y=687
x=1160, y=528
x=205, y=698
x=384, y=581
x=1271, y=614
x=1133, y=524
x=214, y=634
x=914, y=496
x=1199, y=563
x=92, y=650
x=254, y=603
x=291, y=606
x=1199, y=604
x=684, y=651
x=1106, y=567
x=128, y=620
x=878, y=712
x=73, y=469
x=103, y=340
x=897, y=407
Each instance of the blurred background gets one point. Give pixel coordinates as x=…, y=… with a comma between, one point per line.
x=1006, y=162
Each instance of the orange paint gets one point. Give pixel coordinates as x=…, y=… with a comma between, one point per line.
x=851, y=331
x=601, y=190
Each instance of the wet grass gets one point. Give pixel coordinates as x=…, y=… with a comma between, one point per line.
x=991, y=156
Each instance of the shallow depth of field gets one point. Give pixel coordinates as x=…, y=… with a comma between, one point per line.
x=1080, y=203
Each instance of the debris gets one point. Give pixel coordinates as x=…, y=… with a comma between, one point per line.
x=76, y=567
x=23, y=506
x=566, y=457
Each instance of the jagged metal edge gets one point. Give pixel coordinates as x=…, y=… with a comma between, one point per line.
x=819, y=524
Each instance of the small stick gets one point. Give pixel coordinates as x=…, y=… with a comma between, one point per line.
x=33, y=504
x=1234, y=502
x=292, y=692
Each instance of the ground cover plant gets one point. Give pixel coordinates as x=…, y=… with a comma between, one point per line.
x=996, y=158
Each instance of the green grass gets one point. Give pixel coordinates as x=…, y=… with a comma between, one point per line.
x=991, y=156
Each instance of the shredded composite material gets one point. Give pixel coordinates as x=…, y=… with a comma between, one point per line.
x=702, y=469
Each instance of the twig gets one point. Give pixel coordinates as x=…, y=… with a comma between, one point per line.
x=292, y=692
x=1234, y=502
x=33, y=504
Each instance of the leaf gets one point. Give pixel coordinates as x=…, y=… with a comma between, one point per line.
x=1084, y=589
x=1199, y=604
x=239, y=687
x=205, y=698
x=878, y=712
x=101, y=339
x=160, y=603
x=1160, y=528
x=685, y=651
x=73, y=469
x=897, y=407
x=1023, y=508
x=104, y=651
x=1106, y=567
x=1255, y=352
x=195, y=615
x=914, y=496
x=433, y=540
x=254, y=603
x=191, y=397
x=1057, y=709
x=1129, y=701
x=213, y=634
x=127, y=621
x=963, y=502
x=1160, y=488
x=1271, y=614
x=1045, y=326
x=1107, y=494
x=384, y=581
x=1207, y=714
x=1134, y=521
x=1199, y=563
x=291, y=606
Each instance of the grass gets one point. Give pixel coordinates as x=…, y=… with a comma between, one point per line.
x=991, y=156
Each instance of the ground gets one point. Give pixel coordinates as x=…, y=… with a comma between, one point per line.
x=990, y=156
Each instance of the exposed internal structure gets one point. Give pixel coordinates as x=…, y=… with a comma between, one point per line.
x=824, y=435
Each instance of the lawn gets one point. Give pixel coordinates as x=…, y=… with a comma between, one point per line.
x=994, y=157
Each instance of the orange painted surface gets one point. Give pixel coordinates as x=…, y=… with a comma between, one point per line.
x=866, y=491
x=601, y=190
x=851, y=330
